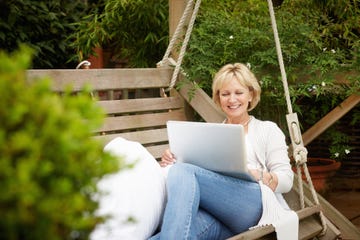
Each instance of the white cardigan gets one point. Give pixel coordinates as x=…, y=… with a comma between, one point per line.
x=268, y=143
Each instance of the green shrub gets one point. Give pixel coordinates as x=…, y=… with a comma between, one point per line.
x=136, y=31
x=44, y=26
x=49, y=163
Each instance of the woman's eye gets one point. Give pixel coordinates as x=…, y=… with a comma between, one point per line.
x=225, y=94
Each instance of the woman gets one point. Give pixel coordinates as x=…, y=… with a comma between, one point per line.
x=206, y=205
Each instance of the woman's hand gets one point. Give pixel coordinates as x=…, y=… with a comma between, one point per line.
x=167, y=158
x=268, y=178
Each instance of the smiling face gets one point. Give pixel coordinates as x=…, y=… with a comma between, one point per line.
x=234, y=100
x=238, y=79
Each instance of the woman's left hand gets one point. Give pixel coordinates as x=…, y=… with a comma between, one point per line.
x=268, y=178
x=167, y=158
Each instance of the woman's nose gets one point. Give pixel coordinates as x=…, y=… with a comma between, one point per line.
x=232, y=98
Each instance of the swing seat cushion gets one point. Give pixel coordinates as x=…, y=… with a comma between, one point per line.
x=135, y=196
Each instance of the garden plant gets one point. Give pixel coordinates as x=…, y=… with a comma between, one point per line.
x=45, y=27
x=133, y=31
x=49, y=162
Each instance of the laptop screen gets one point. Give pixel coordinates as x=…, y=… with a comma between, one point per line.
x=214, y=146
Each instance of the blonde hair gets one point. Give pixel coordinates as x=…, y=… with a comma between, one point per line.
x=240, y=73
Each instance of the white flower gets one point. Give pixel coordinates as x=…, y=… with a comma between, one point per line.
x=347, y=151
x=231, y=37
x=312, y=88
x=336, y=154
x=324, y=49
x=323, y=84
x=333, y=51
x=248, y=65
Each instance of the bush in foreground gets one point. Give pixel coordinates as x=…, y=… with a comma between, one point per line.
x=49, y=163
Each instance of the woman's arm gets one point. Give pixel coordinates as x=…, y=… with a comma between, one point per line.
x=277, y=161
x=268, y=178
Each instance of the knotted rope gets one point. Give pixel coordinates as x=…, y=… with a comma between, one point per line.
x=188, y=9
x=299, y=151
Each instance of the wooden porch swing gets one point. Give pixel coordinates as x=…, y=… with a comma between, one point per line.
x=137, y=109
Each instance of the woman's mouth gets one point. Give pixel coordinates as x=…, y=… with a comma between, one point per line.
x=234, y=106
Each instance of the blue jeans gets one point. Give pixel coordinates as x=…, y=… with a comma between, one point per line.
x=206, y=205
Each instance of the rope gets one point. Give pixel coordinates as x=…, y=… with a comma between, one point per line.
x=299, y=152
x=301, y=188
x=177, y=32
x=185, y=41
x=280, y=58
x=184, y=45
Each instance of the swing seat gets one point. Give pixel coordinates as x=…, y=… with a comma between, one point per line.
x=138, y=111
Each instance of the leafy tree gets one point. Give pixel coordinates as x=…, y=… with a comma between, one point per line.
x=44, y=26
x=49, y=163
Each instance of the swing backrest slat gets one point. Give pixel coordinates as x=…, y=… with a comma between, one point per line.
x=130, y=98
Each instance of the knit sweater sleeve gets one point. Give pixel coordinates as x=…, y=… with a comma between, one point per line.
x=276, y=157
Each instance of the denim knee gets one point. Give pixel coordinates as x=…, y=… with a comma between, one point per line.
x=179, y=170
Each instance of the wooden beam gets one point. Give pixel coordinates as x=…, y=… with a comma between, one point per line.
x=201, y=103
x=176, y=9
x=330, y=118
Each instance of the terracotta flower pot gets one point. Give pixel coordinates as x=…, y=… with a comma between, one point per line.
x=97, y=61
x=320, y=169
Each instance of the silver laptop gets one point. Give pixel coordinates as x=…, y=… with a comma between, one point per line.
x=214, y=146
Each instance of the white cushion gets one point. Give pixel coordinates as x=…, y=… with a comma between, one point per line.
x=138, y=193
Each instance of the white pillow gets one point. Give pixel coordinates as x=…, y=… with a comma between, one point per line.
x=138, y=193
